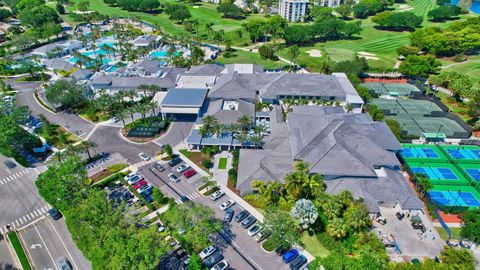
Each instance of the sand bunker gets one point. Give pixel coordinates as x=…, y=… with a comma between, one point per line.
x=404, y=7
x=367, y=55
x=314, y=53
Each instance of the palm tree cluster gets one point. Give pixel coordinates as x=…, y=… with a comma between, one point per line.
x=344, y=214
x=84, y=147
x=243, y=130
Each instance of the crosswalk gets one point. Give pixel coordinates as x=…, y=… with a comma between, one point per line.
x=26, y=219
x=14, y=176
x=191, y=197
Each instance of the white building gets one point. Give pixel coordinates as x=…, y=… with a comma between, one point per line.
x=293, y=10
x=331, y=3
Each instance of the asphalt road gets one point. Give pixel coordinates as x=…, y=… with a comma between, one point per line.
x=70, y=121
x=239, y=249
x=48, y=241
x=20, y=203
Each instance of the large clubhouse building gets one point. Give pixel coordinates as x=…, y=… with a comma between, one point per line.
x=311, y=117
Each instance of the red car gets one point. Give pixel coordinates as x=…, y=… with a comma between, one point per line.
x=189, y=173
x=139, y=184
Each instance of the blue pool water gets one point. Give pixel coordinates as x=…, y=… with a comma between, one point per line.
x=74, y=60
x=453, y=198
x=159, y=54
x=111, y=68
x=97, y=52
x=474, y=6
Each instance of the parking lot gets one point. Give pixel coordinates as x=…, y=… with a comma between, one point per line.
x=239, y=249
x=48, y=241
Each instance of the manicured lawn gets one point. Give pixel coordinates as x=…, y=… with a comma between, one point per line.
x=243, y=57
x=222, y=163
x=457, y=107
x=195, y=157
x=472, y=69
x=443, y=234
x=313, y=245
x=17, y=246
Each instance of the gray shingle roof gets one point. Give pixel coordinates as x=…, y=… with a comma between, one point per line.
x=230, y=116
x=341, y=146
x=82, y=74
x=58, y=64
x=208, y=69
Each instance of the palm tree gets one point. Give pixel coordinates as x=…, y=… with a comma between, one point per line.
x=312, y=185
x=120, y=95
x=209, y=29
x=131, y=94
x=144, y=88
x=294, y=184
x=131, y=110
x=153, y=104
x=121, y=115
x=357, y=217
x=86, y=146
x=244, y=122
x=256, y=140
x=349, y=107
x=302, y=166
x=337, y=228
x=293, y=52
x=142, y=109
x=242, y=137
x=209, y=121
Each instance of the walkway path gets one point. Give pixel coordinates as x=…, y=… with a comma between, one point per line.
x=461, y=63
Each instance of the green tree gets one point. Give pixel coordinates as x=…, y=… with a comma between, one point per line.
x=394, y=126
x=297, y=34
x=178, y=12
x=83, y=5
x=168, y=150
x=419, y=65
x=366, y=8
x=471, y=220
x=67, y=93
x=293, y=53
x=357, y=217
x=255, y=28
x=267, y=51
x=458, y=259
x=397, y=21
x=337, y=228
x=444, y=12
x=37, y=16
x=158, y=196
x=344, y=10
x=352, y=28
x=230, y=10
x=375, y=112
x=282, y=226
x=195, y=263
x=408, y=50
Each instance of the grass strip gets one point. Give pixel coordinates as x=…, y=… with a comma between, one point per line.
x=17, y=246
x=222, y=163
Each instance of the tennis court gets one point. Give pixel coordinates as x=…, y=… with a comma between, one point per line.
x=439, y=173
x=454, y=198
x=419, y=152
x=472, y=170
x=406, y=105
x=463, y=152
x=391, y=89
x=416, y=124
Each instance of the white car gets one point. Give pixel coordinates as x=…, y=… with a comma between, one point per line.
x=144, y=156
x=207, y=252
x=173, y=178
x=224, y=206
x=220, y=266
x=217, y=195
x=253, y=230
x=183, y=168
x=130, y=175
x=134, y=179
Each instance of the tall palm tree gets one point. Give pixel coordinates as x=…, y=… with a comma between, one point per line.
x=131, y=94
x=120, y=95
x=153, y=104
x=357, y=217
x=337, y=228
x=209, y=29
x=312, y=185
x=131, y=110
x=244, y=122
x=302, y=166
x=241, y=137
x=144, y=88
x=256, y=140
x=209, y=121
x=86, y=146
x=142, y=109
x=121, y=115
x=293, y=52
x=294, y=184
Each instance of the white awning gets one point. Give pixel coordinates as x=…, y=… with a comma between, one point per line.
x=180, y=110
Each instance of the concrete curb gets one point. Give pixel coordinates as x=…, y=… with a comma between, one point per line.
x=41, y=105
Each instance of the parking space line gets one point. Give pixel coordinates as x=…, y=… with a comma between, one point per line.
x=63, y=243
x=45, y=245
x=1, y=230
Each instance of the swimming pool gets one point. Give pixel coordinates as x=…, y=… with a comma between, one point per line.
x=75, y=60
x=159, y=54
x=111, y=68
x=96, y=53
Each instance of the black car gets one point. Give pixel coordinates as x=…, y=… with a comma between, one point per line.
x=228, y=215
x=174, y=161
x=248, y=221
x=282, y=249
x=242, y=215
x=159, y=167
x=10, y=164
x=184, y=199
x=298, y=262
x=213, y=259
x=55, y=214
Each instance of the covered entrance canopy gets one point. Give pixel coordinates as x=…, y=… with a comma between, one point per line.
x=182, y=101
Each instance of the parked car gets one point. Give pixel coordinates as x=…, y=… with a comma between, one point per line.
x=174, y=161
x=161, y=228
x=217, y=195
x=290, y=255
x=146, y=189
x=64, y=264
x=189, y=173
x=144, y=156
x=55, y=214
x=298, y=262
x=207, y=252
x=220, y=266
x=248, y=221
x=173, y=178
x=253, y=230
x=241, y=216
x=139, y=184
x=228, y=215
x=184, y=199
x=282, y=249
x=262, y=235
x=224, y=206
x=132, y=180
x=130, y=175
x=159, y=167
x=183, y=168
x=213, y=259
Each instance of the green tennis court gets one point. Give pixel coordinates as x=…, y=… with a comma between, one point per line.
x=406, y=105
x=423, y=152
x=394, y=89
x=455, y=196
x=439, y=173
x=463, y=153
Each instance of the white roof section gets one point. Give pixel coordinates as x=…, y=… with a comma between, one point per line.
x=195, y=81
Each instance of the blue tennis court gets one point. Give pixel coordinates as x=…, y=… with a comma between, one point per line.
x=464, y=153
x=419, y=153
x=474, y=173
x=453, y=198
x=436, y=173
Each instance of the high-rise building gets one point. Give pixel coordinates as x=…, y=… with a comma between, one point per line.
x=293, y=10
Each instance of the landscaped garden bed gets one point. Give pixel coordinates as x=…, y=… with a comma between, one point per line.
x=197, y=158
x=17, y=246
x=144, y=130
x=111, y=170
x=56, y=135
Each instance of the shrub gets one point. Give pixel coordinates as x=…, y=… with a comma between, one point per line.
x=266, y=51
x=116, y=167
x=207, y=163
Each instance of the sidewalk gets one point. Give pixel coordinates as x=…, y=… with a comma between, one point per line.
x=154, y=213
